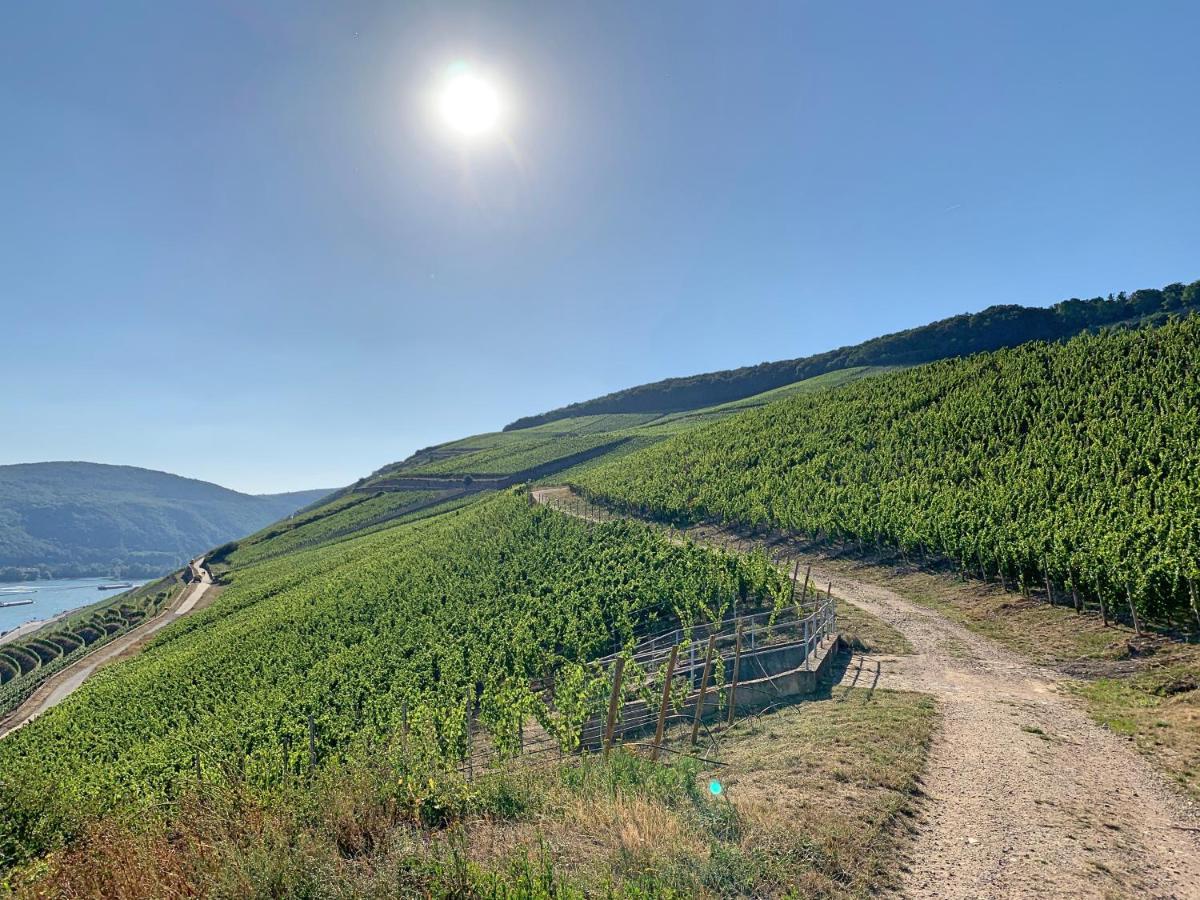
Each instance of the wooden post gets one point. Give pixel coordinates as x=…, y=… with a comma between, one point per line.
x=737, y=665
x=1137, y=625
x=470, y=732
x=804, y=593
x=1103, y=605
x=1192, y=594
x=666, y=702
x=312, y=743
x=404, y=727
x=1046, y=571
x=712, y=639
x=982, y=570
x=613, y=701
x=1075, y=595
x=795, y=572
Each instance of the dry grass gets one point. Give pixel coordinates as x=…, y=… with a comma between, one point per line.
x=865, y=633
x=815, y=797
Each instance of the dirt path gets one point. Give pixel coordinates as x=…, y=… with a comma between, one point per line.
x=64, y=683
x=1025, y=796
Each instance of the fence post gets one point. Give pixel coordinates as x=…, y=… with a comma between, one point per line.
x=795, y=572
x=613, y=700
x=666, y=701
x=712, y=640
x=737, y=665
x=804, y=632
x=804, y=593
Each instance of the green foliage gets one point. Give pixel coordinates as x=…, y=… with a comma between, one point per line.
x=408, y=623
x=991, y=329
x=1084, y=457
x=349, y=514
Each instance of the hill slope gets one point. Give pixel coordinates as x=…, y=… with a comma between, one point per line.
x=1078, y=461
x=77, y=518
x=991, y=329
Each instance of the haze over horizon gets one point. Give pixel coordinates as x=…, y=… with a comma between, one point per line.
x=240, y=248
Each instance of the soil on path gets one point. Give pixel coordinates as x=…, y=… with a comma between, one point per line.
x=65, y=682
x=1024, y=795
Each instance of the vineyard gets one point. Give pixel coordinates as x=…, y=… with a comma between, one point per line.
x=306, y=659
x=1074, y=465
x=25, y=664
x=350, y=514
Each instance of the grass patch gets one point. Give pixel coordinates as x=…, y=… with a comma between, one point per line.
x=865, y=633
x=813, y=799
x=1159, y=711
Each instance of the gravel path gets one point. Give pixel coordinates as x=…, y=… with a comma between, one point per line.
x=1025, y=795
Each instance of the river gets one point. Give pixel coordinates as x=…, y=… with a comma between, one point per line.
x=50, y=597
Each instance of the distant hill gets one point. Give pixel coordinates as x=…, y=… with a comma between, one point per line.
x=991, y=329
x=65, y=519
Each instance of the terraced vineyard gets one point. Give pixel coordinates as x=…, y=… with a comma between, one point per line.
x=1077, y=463
x=354, y=513
x=25, y=664
x=365, y=636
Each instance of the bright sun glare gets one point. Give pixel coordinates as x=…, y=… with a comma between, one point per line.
x=469, y=104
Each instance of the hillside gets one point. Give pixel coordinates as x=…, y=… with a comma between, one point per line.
x=1074, y=462
x=992, y=329
x=360, y=651
x=64, y=519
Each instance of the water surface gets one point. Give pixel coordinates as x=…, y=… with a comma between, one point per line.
x=50, y=597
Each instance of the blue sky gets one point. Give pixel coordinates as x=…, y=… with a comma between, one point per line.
x=236, y=245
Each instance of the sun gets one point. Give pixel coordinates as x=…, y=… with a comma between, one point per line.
x=469, y=104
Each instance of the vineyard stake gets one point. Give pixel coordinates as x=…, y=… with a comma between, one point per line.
x=795, y=573
x=1192, y=594
x=1075, y=595
x=1046, y=571
x=312, y=743
x=1137, y=625
x=404, y=728
x=737, y=665
x=613, y=698
x=666, y=700
x=804, y=593
x=1103, y=605
x=470, y=734
x=712, y=639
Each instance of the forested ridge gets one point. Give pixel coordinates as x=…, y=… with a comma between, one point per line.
x=1080, y=461
x=65, y=519
x=994, y=328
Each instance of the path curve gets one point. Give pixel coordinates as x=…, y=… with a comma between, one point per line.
x=55, y=689
x=1024, y=795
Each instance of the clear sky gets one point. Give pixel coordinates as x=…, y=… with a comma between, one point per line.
x=237, y=245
